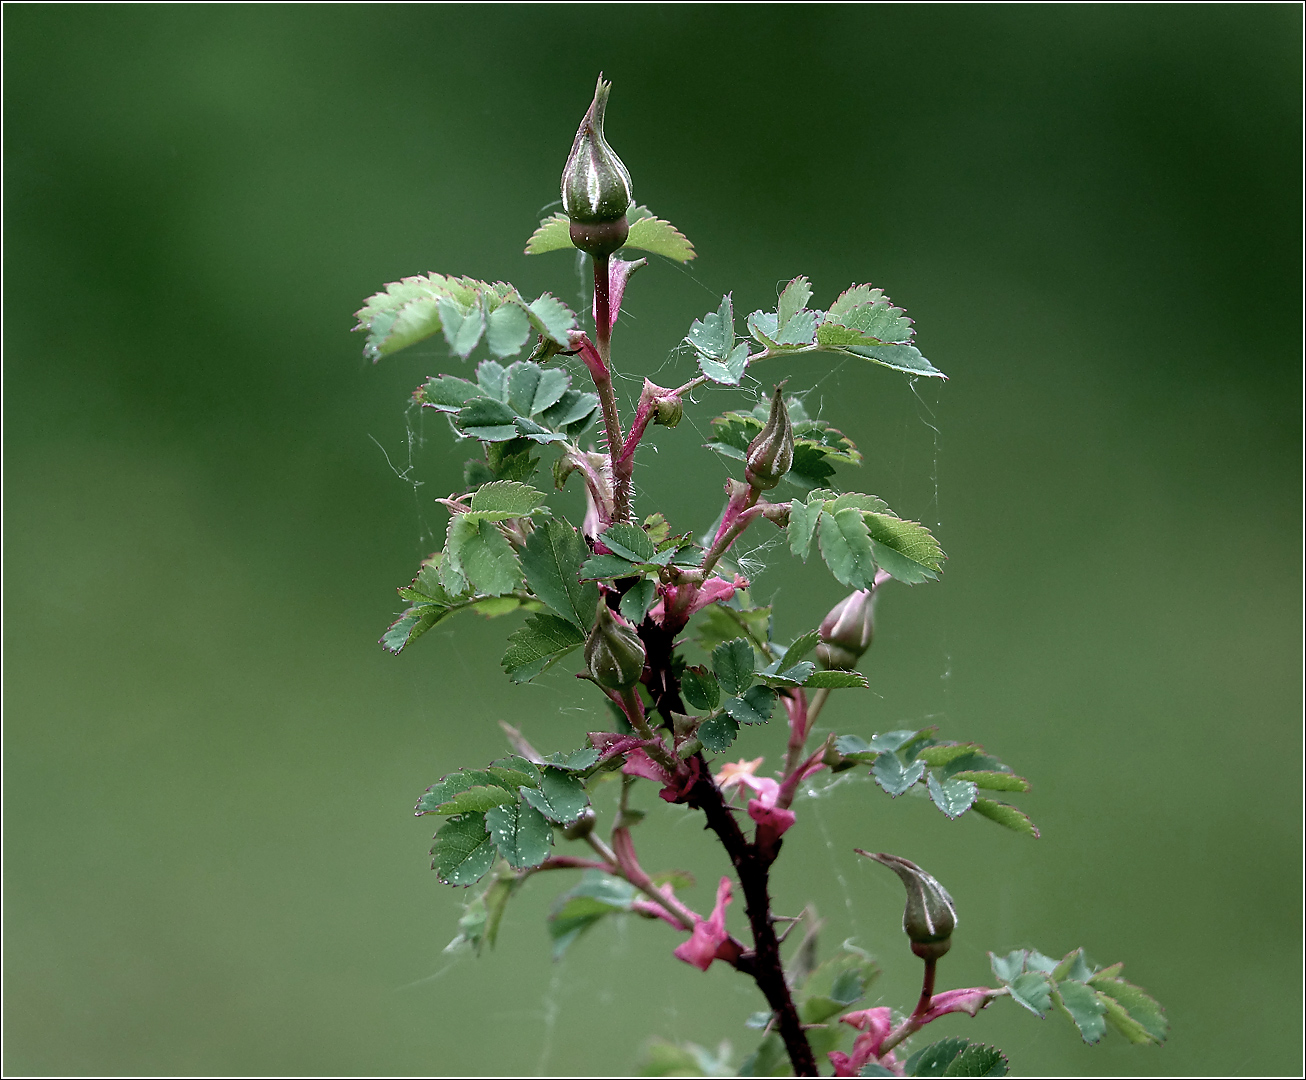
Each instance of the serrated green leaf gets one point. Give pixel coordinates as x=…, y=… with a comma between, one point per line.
x=753, y=707
x=790, y=677
x=1033, y=990
x=488, y=420
x=836, y=680
x=572, y=413
x=513, y=772
x=554, y=234
x=447, y=788
x=716, y=733
x=483, y=555
x=521, y=834
x=846, y=548
x=505, y=499
x=727, y=371
x=993, y=781
x=799, y=649
x=552, y=318
x=575, y=761
x=880, y=321
x=699, y=688
x=956, y=1057
x=492, y=378
x=478, y=798
x=629, y=541
x=798, y=331
x=802, y=527
x=953, y=797
x=939, y=755
x=607, y=566
x=660, y=237
x=853, y=296
x=636, y=600
x=463, y=850
x=506, y=329
x=544, y=640
x=1007, y=815
x=714, y=334
x=463, y=326
x=905, y=549
x=1082, y=1005
x=732, y=662
x=1006, y=968
x=560, y=797
x=905, y=358
x=1140, y=1008
x=855, y=500
x=1073, y=966
x=551, y=561
x=793, y=299
x=447, y=393
x=893, y=776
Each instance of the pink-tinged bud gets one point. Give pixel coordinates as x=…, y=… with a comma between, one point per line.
x=771, y=453
x=613, y=653
x=596, y=188
x=709, y=934
x=930, y=916
x=846, y=633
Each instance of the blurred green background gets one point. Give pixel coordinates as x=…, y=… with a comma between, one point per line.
x=1093, y=213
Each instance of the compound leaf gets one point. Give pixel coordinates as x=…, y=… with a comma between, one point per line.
x=732, y=661
x=660, y=237
x=846, y=547
x=560, y=797
x=889, y=771
x=544, y=640
x=1004, y=814
x=953, y=797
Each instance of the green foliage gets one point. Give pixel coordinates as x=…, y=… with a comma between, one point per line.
x=699, y=688
x=463, y=850
x=575, y=911
x=552, y=560
x=753, y=706
x=836, y=985
x=732, y=662
x=561, y=795
x=724, y=622
x=953, y=773
x=521, y=401
x=663, y=1058
x=521, y=833
x=465, y=309
x=713, y=340
x=647, y=233
x=718, y=732
x=1089, y=996
x=543, y=641
x=429, y=604
x=858, y=534
x=956, y=1057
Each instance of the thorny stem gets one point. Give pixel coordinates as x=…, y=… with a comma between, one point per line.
x=601, y=373
x=753, y=868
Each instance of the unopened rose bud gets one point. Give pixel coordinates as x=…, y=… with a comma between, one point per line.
x=846, y=633
x=930, y=916
x=596, y=189
x=670, y=409
x=771, y=452
x=613, y=653
x=582, y=826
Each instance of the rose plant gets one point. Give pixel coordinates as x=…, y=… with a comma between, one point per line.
x=631, y=596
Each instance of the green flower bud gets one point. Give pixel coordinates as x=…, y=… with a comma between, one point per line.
x=771, y=452
x=930, y=916
x=669, y=411
x=613, y=653
x=847, y=631
x=581, y=827
x=596, y=189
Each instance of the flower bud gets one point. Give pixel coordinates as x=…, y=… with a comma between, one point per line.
x=613, y=653
x=670, y=409
x=847, y=631
x=771, y=452
x=930, y=916
x=582, y=826
x=596, y=190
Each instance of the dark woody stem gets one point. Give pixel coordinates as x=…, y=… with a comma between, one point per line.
x=753, y=868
